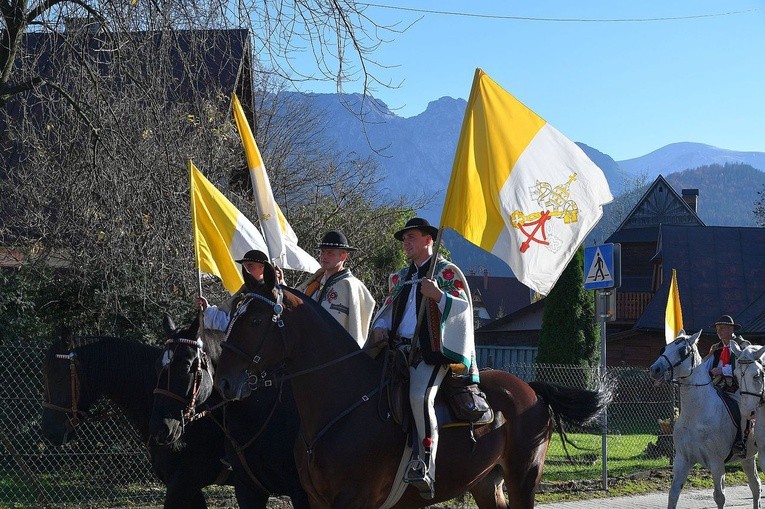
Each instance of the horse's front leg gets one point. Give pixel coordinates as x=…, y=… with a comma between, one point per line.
x=718, y=478
x=749, y=466
x=680, y=470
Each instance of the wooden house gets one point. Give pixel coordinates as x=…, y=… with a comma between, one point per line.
x=720, y=270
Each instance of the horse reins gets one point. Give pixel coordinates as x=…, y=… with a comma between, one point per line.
x=255, y=360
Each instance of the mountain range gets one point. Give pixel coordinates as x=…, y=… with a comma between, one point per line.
x=417, y=153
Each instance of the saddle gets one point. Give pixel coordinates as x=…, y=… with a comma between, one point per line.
x=459, y=401
x=731, y=405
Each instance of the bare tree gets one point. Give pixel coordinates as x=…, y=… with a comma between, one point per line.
x=101, y=208
x=339, y=36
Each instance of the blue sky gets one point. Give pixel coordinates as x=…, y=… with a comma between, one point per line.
x=624, y=88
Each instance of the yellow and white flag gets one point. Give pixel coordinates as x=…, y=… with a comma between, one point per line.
x=520, y=189
x=280, y=237
x=222, y=234
x=673, y=316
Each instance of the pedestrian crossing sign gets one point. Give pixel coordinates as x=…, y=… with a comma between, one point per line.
x=602, y=266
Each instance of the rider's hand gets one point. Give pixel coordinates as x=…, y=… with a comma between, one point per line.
x=279, y=275
x=429, y=288
x=202, y=303
x=379, y=336
x=716, y=371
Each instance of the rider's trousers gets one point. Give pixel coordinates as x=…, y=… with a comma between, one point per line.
x=423, y=386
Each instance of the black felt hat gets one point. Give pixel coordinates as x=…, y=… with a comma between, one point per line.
x=727, y=320
x=253, y=255
x=417, y=223
x=335, y=240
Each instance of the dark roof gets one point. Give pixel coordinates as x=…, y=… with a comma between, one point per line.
x=659, y=205
x=752, y=319
x=720, y=270
x=203, y=62
x=505, y=293
x=518, y=313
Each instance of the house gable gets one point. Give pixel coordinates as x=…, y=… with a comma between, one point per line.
x=660, y=204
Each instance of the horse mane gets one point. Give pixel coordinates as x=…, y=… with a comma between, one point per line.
x=106, y=358
x=334, y=326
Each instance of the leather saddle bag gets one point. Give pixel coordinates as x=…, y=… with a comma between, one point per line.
x=465, y=398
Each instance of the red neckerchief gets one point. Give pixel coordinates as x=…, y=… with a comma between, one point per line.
x=725, y=356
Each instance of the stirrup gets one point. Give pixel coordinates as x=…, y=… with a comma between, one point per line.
x=417, y=475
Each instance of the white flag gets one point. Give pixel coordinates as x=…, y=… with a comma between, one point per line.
x=520, y=189
x=281, y=239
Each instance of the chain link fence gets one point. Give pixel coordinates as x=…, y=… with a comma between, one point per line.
x=108, y=465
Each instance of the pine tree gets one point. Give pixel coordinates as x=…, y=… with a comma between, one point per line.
x=570, y=334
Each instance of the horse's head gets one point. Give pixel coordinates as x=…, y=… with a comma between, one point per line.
x=65, y=403
x=750, y=374
x=185, y=380
x=677, y=359
x=256, y=341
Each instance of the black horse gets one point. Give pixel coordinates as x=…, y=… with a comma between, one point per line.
x=79, y=371
x=260, y=430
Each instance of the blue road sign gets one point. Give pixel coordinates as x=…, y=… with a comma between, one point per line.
x=602, y=266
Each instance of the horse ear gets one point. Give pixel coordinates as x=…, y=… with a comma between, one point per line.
x=198, y=323
x=168, y=325
x=735, y=348
x=695, y=338
x=759, y=353
x=64, y=336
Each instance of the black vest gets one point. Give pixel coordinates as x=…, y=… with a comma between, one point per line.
x=430, y=356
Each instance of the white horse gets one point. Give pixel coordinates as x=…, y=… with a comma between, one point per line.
x=750, y=374
x=704, y=432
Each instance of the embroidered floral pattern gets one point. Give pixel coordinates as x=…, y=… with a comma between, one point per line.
x=449, y=284
x=331, y=296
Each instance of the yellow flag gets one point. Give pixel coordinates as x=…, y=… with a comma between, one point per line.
x=520, y=189
x=222, y=233
x=673, y=317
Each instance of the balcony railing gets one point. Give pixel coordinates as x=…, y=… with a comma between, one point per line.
x=630, y=305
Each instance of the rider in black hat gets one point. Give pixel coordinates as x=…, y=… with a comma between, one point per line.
x=337, y=290
x=444, y=337
x=721, y=362
x=257, y=272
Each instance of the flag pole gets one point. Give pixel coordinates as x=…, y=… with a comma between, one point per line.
x=194, y=230
x=421, y=312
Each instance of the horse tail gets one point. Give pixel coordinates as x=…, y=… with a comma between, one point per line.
x=575, y=406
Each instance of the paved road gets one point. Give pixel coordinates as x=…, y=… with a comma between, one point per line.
x=736, y=497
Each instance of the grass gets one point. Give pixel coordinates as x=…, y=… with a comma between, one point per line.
x=626, y=455
x=632, y=470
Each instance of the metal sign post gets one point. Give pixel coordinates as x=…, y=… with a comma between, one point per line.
x=602, y=273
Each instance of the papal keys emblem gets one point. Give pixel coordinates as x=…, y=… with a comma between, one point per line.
x=553, y=202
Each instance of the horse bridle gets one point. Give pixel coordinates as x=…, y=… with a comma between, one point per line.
x=761, y=394
x=682, y=358
x=74, y=415
x=201, y=363
x=276, y=319
x=254, y=360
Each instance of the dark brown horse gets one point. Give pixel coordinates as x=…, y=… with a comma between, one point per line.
x=349, y=449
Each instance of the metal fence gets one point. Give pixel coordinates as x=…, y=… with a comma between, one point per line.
x=108, y=465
